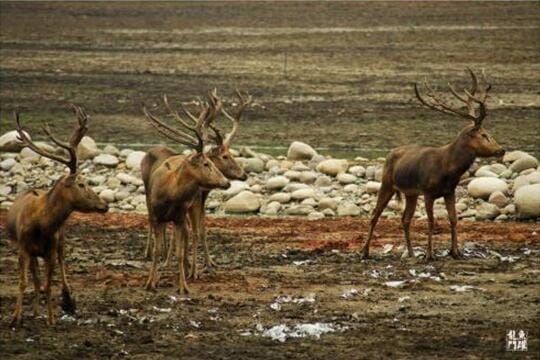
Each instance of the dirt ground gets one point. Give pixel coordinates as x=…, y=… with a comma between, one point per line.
x=336, y=75
x=261, y=259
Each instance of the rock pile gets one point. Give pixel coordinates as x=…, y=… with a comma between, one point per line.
x=304, y=183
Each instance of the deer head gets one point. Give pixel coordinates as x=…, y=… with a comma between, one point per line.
x=221, y=154
x=73, y=188
x=197, y=164
x=473, y=137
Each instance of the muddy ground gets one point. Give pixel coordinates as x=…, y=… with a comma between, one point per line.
x=256, y=256
x=336, y=75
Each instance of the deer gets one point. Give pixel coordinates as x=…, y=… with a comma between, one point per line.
x=36, y=220
x=435, y=172
x=175, y=184
x=220, y=155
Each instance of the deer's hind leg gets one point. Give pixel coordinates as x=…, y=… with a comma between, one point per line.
x=24, y=262
x=153, y=275
x=406, y=219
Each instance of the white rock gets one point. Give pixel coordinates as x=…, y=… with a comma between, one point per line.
x=300, y=151
x=345, y=178
x=527, y=201
x=520, y=181
x=270, y=164
x=524, y=163
x=10, y=143
x=328, y=203
x=121, y=195
x=308, y=177
x=534, y=177
x=106, y=160
x=323, y=181
x=512, y=156
x=484, y=186
x=497, y=168
x=97, y=180
x=128, y=179
x=277, y=182
x=299, y=210
x=332, y=166
x=134, y=158
x=253, y=165
x=351, y=188
x=107, y=195
x=87, y=148
x=315, y=215
x=348, y=209
x=498, y=198
x=310, y=201
x=280, y=197
x=111, y=150
x=29, y=154
x=236, y=187
x=299, y=166
x=7, y=164
x=5, y=190
x=257, y=188
x=484, y=171
x=303, y=194
x=271, y=208
x=292, y=187
x=328, y=212
x=292, y=175
x=357, y=170
x=487, y=211
x=245, y=201
x=372, y=187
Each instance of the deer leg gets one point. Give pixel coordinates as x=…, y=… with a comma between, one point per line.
x=37, y=285
x=68, y=303
x=49, y=269
x=168, y=243
x=181, y=235
x=149, y=242
x=450, y=202
x=24, y=262
x=406, y=221
x=156, y=251
x=429, y=210
x=195, y=225
x=208, y=262
x=385, y=194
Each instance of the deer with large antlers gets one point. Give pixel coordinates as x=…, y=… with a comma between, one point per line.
x=220, y=155
x=35, y=221
x=435, y=171
x=174, y=185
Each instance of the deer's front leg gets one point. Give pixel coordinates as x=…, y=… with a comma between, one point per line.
x=450, y=202
x=195, y=231
x=181, y=236
x=429, y=211
x=68, y=303
x=24, y=262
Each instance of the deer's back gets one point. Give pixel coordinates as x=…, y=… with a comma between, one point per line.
x=21, y=214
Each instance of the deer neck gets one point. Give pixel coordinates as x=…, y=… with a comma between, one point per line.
x=186, y=184
x=459, y=157
x=57, y=208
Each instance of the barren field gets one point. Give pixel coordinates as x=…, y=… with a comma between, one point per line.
x=336, y=75
x=264, y=260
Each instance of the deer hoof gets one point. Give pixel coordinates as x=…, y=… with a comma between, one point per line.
x=68, y=304
x=16, y=322
x=456, y=254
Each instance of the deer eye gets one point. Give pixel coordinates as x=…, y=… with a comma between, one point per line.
x=81, y=185
x=206, y=164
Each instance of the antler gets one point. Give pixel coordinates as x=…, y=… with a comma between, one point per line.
x=438, y=105
x=71, y=147
x=245, y=100
x=199, y=129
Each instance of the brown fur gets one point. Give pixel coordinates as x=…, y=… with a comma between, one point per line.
x=171, y=188
x=433, y=172
x=35, y=223
x=224, y=161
